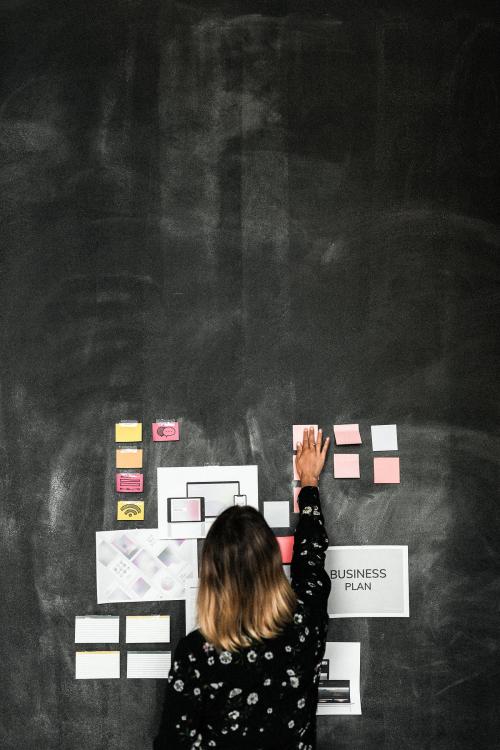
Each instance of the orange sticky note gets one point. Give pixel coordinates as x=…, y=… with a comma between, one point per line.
x=129, y=458
x=346, y=465
x=286, y=547
x=386, y=470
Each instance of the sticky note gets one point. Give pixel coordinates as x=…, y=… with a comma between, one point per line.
x=295, y=472
x=286, y=547
x=346, y=465
x=130, y=511
x=97, y=629
x=148, y=664
x=97, y=665
x=128, y=432
x=386, y=470
x=384, y=437
x=129, y=458
x=287, y=572
x=298, y=433
x=347, y=434
x=129, y=482
x=165, y=431
x=277, y=513
x=296, y=492
x=147, y=629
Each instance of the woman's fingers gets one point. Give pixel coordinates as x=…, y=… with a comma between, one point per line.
x=318, y=441
x=305, y=441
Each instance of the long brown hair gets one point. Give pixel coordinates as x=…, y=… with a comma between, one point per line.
x=243, y=594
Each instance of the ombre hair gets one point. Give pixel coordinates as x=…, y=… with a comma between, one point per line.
x=244, y=595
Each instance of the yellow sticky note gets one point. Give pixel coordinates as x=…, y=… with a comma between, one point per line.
x=129, y=458
x=127, y=511
x=128, y=432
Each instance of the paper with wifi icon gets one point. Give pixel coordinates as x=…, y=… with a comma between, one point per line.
x=127, y=511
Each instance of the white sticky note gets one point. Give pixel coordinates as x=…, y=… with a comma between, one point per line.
x=384, y=437
x=97, y=629
x=97, y=665
x=277, y=513
x=147, y=629
x=148, y=664
x=286, y=571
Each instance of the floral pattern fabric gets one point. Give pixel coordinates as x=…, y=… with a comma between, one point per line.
x=263, y=696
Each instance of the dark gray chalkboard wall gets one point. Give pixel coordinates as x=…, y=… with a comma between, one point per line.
x=249, y=214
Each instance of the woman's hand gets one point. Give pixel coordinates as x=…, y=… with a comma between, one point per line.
x=310, y=457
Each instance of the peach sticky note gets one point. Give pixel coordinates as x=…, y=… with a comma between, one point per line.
x=346, y=465
x=347, y=434
x=286, y=547
x=165, y=431
x=128, y=481
x=129, y=458
x=386, y=470
x=128, y=432
x=298, y=433
x=296, y=491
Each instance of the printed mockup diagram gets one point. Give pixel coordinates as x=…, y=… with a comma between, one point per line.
x=338, y=691
x=139, y=566
x=191, y=497
x=368, y=581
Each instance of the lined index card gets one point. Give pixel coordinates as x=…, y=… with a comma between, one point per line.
x=147, y=629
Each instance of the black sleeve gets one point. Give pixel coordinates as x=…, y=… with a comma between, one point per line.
x=309, y=578
x=184, y=703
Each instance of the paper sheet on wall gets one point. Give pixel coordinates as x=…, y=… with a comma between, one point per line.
x=148, y=664
x=97, y=629
x=147, y=629
x=368, y=581
x=338, y=691
x=184, y=491
x=97, y=665
x=138, y=566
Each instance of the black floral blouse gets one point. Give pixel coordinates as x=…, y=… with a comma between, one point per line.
x=263, y=696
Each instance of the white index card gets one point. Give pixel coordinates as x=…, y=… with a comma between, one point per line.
x=148, y=664
x=97, y=629
x=147, y=629
x=384, y=437
x=97, y=665
x=277, y=513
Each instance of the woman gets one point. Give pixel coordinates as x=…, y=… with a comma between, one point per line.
x=248, y=676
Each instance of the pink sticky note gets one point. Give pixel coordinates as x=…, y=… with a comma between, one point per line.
x=386, y=470
x=129, y=482
x=296, y=491
x=295, y=474
x=346, y=465
x=165, y=431
x=286, y=547
x=298, y=433
x=347, y=434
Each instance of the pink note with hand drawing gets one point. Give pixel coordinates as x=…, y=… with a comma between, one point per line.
x=164, y=432
x=129, y=482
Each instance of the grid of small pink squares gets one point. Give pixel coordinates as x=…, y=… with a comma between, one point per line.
x=346, y=465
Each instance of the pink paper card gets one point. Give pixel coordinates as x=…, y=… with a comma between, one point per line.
x=386, y=470
x=298, y=433
x=295, y=474
x=296, y=491
x=346, y=465
x=165, y=431
x=286, y=547
x=129, y=482
x=346, y=434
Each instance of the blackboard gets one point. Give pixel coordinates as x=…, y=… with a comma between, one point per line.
x=249, y=215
